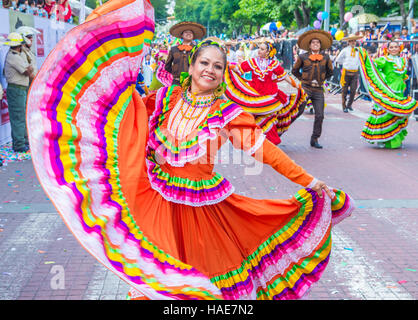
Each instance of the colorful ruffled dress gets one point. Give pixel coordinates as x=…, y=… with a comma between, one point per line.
x=133, y=178
x=273, y=110
x=385, y=79
x=161, y=78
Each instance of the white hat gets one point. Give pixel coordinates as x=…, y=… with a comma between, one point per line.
x=26, y=31
x=14, y=39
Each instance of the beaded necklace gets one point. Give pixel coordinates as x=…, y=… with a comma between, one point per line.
x=198, y=102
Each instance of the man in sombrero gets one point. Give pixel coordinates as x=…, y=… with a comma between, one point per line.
x=349, y=59
x=178, y=57
x=312, y=68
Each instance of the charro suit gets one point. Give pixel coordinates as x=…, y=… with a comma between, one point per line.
x=312, y=70
x=178, y=61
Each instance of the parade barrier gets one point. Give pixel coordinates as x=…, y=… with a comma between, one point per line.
x=50, y=32
x=286, y=54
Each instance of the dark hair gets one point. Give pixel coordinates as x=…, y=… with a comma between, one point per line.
x=393, y=41
x=203, y=46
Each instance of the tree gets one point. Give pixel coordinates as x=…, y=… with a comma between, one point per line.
x=341, y=6
x=302, y=11
x=404, y=10
x=160, y=10
x=254, y=12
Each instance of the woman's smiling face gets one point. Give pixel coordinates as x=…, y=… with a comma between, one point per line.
x=263, y=51
x=207, y=71
x=394, y=48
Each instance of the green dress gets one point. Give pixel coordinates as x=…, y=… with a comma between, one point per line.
x=385, y=78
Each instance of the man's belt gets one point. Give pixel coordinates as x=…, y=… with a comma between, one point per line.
x=354, y=71
x=312, y=84
x=17, y=86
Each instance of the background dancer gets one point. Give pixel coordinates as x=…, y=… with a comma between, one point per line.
x=385, y=79
x=274, y=111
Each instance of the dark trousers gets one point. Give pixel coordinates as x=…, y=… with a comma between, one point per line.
x=16, y=99
x=350, y=81
x=316, y=95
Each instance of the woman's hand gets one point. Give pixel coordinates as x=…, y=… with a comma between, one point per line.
x=319, y=186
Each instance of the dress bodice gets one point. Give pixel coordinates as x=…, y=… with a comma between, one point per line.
x=180, y=166
x=265, y=74
x=393, y=69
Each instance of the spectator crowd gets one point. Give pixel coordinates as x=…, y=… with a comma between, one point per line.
x=59, y=9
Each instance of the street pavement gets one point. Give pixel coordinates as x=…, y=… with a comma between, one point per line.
x=375, y=251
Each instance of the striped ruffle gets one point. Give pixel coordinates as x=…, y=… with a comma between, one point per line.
x=382, y=126
x=194, y=193
x=282, y=119
x=286, y=264
x=380, y=91
x=162, y=75
x=238, y=90
x=75, y=108
x=175, y=152
x=270, y=110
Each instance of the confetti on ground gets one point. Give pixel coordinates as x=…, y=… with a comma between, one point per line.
x=402, y=281
x=41, y=251
x=350, y=249
x=413, y=270
x=49, y=262
x=8, y=155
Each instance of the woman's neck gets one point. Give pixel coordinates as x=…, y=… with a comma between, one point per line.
x=198, y=93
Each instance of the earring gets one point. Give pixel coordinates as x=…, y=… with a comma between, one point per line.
x=219, y=90
x=186, y=83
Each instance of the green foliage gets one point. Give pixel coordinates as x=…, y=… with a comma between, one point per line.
x=160, y=10
x=227, y=16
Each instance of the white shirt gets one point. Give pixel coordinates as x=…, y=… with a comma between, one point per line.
x=347, y=60
x=231, y=56
x=147, y=71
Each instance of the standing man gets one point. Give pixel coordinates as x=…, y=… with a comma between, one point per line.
x=17, y=71
x=349, y=59
x=230, y=52
x=28, y=34
x=178, y=57
x=312, y=68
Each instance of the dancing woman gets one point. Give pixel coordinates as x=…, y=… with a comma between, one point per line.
x=385, y=78
x=133, y=178
x=273, y=110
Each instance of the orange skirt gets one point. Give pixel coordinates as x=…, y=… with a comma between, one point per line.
x=88, y=130
x=246, y=247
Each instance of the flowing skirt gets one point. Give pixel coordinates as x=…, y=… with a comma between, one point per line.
x=88, y=133
x=389, y=117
